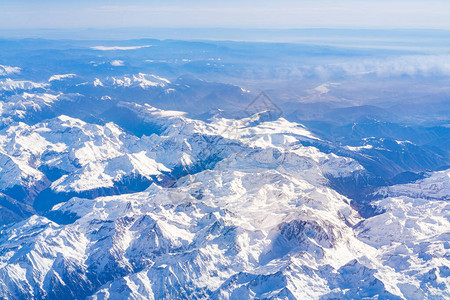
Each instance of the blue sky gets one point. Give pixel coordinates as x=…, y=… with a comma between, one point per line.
x=227, y=14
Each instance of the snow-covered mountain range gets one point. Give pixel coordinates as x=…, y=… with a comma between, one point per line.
x=108, y=192
x=234, y=208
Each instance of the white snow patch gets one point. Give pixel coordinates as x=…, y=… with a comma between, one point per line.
x=324, y=88
x=61, y=77
x=117, y=63
x=110, y=48
x=97, y=82
x=358, y=148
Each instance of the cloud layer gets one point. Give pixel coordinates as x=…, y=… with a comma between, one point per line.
x=418, y=65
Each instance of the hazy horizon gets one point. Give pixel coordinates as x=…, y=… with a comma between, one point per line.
x=237, y=14
x=421, y=40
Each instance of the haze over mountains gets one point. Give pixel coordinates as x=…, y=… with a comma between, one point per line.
x=227, y=170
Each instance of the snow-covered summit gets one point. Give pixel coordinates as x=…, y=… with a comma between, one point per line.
x=8, y=70
x=10, y=85
x=141, y=80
